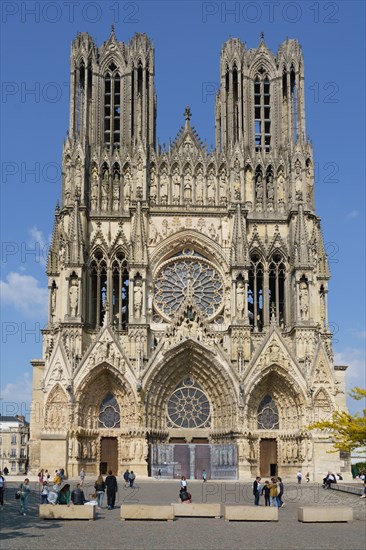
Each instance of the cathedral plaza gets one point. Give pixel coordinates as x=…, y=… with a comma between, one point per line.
x=188, y=286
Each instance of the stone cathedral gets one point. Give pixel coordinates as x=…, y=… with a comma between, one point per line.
x=188, y=287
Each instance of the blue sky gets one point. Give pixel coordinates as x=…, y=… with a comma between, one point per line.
x=188, y=36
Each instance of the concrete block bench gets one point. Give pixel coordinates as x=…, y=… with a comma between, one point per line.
x=325, y=514
x=197, y=510
x=60, y=511
x=251, y=513
x=147, y=511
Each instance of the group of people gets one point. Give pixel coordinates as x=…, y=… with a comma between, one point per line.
x=129, y=477
x=271, y=490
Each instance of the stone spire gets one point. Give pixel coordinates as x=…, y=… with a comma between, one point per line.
x=301, y=241
x=52, y=261
x=76, y=241
x=239, y=247
x=322, y=259
x=138, y=238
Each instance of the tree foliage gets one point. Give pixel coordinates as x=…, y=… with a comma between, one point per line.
x=348, y=431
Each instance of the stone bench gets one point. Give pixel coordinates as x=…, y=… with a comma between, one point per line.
x=147, y=511
x=197, y=510
x=325, y=514
x=60, y=511
x=251, y=513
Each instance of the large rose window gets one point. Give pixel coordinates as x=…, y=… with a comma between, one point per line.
x=188, y=275
x=188, y=406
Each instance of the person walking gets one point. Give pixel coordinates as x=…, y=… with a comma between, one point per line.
x=112, y=488
x=24, y=496
x=265, y=492
x=2, y=489
x=280, y=493
x=256, y=490
x=204, y=475
x=45, y=492
x=132, y=478
x=99, y=486
x=299, y=477
x=126, y=477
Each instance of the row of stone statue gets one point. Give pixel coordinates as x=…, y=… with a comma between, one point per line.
x=112, y=189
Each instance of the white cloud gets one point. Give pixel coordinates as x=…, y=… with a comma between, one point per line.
x=355, y=359
x=25, y=294
x=352, y=214
x=16, y=396
x=39, y=244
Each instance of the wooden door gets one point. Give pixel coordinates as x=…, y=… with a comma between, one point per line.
x=268, y=457
x=203, y=461
x=181, y=461
x=109, y=455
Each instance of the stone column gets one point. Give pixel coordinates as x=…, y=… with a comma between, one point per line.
x=192, y=460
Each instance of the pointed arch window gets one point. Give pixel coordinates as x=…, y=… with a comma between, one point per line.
x=98, y=287
x=255, y=293
x=294, y=102
x=112, y=105
x=120, y=290
x=262, y=111
x=277, y=274
x=267, y=414
x=109, y=412
x=80, y=96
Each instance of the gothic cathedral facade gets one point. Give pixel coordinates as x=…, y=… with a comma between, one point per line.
x=188, y=287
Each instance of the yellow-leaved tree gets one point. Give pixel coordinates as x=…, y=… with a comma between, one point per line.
x=349, y=431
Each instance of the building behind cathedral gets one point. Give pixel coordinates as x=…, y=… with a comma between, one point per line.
x=188, y=287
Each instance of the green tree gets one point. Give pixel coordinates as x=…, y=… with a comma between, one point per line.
x=349, y=431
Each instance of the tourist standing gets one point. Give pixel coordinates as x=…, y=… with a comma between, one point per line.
x=265, y=492
x=112, y=488
x=204, y=475
x=82, y=476
x=256, y=490
x=24, y=496
x=45, y=492
x=299, y=477
x=183, y=482
x=99, y=486
x=273, y=492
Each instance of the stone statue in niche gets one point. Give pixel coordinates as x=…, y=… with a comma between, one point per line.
x=236, y=181
x=223, y=186
x=309, y=183
x=211, y=187
x=105, y=190
x=304, y=300
x=225, y=231
x=280, y=187
x=240, y=299
x=139, y=173
x=176, y=185
x=188, y=185
x=127, y=189
x=199, y=185
x=78, y=177
x=153, y=233
x=259, y=189
x=74, y=297
x=94, y=187
x=164, y=185
x=67, y=186
x=116, y=191
x=270, y=188
x=153, y=185
x=298, y=181
x=53, y=301
x=137, y=298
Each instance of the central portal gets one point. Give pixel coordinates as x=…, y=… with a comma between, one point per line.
x=109, y=455
x=268, y=457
